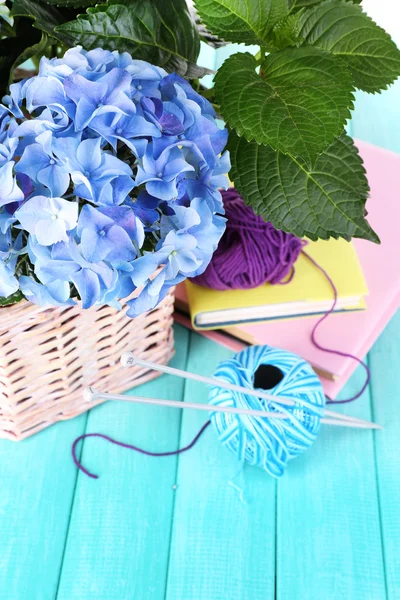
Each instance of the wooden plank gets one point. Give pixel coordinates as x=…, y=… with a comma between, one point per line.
x=385, y=390
x=37, y=480
x=376, y=120
x=223, y=540
x=118, y=542
x=328, y=528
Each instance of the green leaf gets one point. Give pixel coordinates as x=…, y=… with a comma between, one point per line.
x=34, y=50
x=325, y=201
x=45, y=17
x=6, y=29
x=73, y=3
x=246, y=21
x=285, y=33
x=298, y=4
x=343, y=29
x=15, y=50
x=159, y=31
x=13, y=299
x=299, y=106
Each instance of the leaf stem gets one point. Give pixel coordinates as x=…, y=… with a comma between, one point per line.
x=260, y=56
x=208, y=93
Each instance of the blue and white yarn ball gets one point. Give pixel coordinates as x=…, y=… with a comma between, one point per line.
x=266, y=442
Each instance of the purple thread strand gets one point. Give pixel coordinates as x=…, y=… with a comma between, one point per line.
x=331, y=350
x=130, y=447
x=250, y=254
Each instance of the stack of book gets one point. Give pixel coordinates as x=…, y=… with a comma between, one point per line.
x=367, y=278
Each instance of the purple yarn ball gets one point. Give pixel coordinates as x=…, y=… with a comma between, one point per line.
x=251, y=252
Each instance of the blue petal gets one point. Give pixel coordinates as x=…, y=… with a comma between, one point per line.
x=9, y=191
x=56, y=269
x=114, y=192
x=8, y=282
x=122, y=216
x=91, y=217
x=55, y=178
x=117, y=80
x=120, y=246
x=95, y=247
x=88, y=285
x=78, y=88
x=84, y=112
x=89, y=154
x=33, y=160
x=165, y=190
x=56, y=294
x=45, y=91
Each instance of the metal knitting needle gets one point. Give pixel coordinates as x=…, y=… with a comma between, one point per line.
x=128, y=359
x=91, y=395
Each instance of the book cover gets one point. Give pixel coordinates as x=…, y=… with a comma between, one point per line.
x=308, y=292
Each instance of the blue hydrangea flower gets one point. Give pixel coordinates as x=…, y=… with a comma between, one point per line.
x=98, y=176
x=110, y=171
x=132, y=131
x=146, y=79
x=66, y=262
x=55, y=293
x=160, y=175
x=105, y=95
x=42, y=166
x=48, y=219
x=145, y=208
x=103, y=237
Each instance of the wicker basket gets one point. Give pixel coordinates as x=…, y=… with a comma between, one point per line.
x=49, y=355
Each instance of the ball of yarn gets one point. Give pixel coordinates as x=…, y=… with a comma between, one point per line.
x=251, y=252
x=267, y=442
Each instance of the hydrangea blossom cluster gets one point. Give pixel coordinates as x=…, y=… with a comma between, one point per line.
x=110, y=172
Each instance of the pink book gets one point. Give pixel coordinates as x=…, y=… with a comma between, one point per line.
x=352, y=332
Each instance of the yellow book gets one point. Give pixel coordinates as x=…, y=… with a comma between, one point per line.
x=309, y=293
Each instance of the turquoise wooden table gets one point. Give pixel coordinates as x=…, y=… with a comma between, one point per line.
x=195, y=527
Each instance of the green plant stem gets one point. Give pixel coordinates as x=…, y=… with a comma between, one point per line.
x=260, y=56
x=208, y=93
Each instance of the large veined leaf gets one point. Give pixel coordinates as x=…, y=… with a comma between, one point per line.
x=345, y=30
x=73, y=3
x=297, y=4
x=325, y=201
x=159, y=31
x=246, y=21
x=299, y=105
x=45, y=17
x=285, y=33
